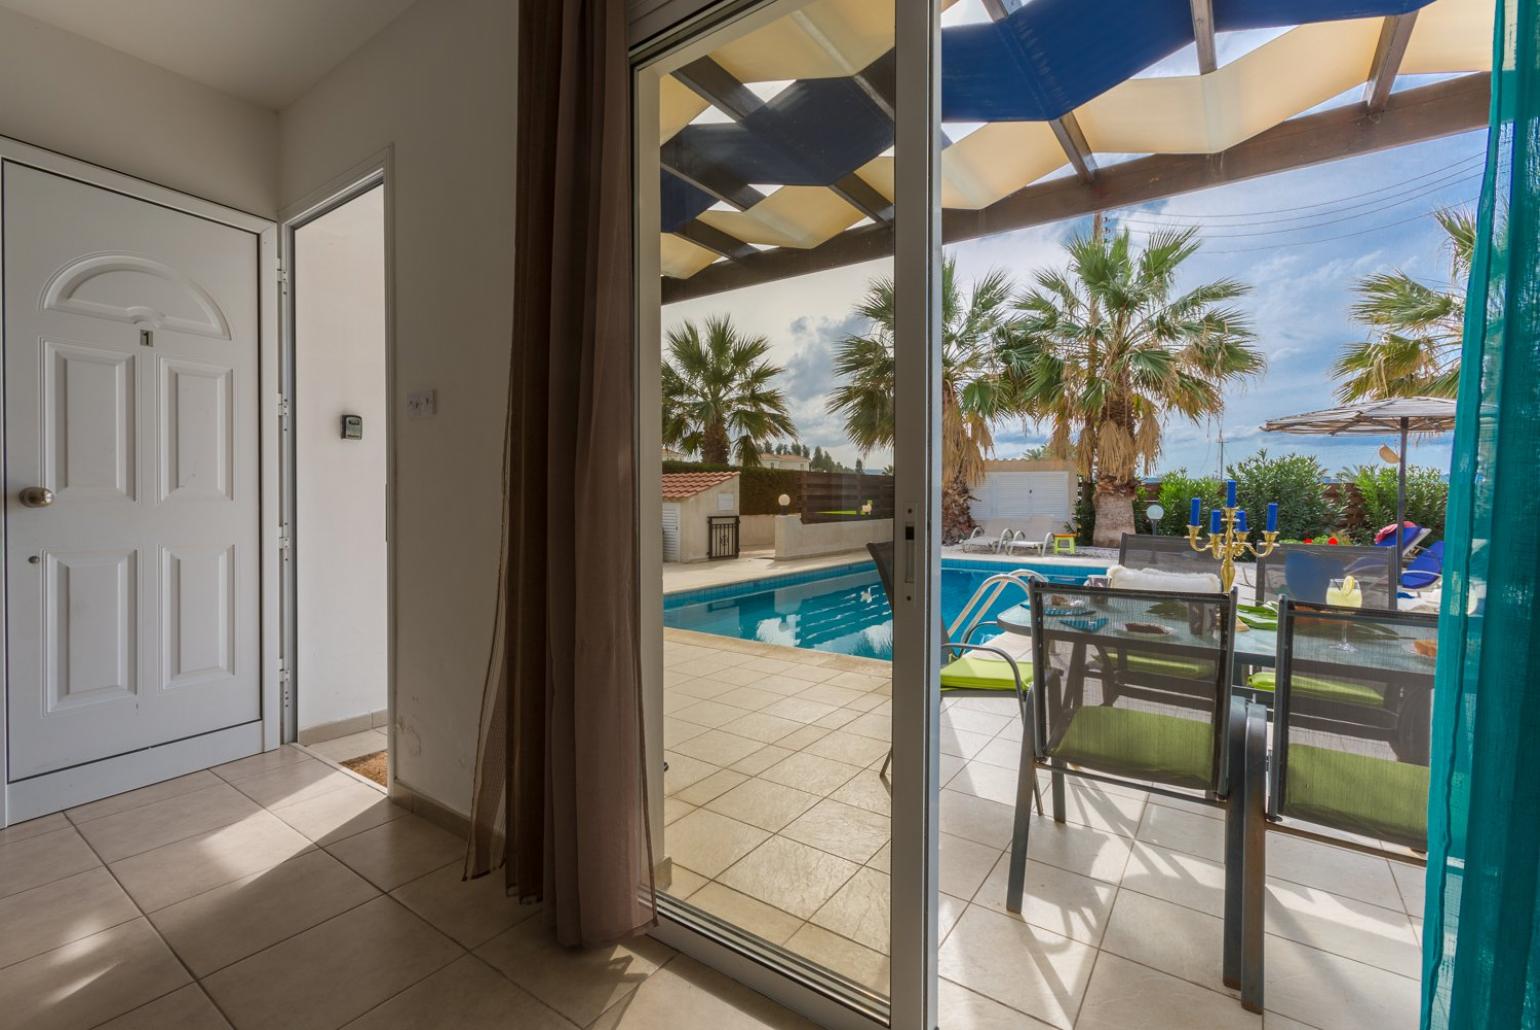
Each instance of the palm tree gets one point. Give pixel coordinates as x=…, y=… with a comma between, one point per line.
x=972, y=390
x=1103, y=350
x=718, y=400
x=1415, y=331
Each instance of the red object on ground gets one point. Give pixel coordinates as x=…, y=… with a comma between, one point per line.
x=1387, y=531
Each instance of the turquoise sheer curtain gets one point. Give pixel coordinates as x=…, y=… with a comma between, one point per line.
x=1481, y=955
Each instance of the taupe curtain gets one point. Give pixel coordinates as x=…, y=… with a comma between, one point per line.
x=560, y=795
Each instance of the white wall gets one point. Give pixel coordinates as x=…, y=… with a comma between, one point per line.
x=68, y=94
x=438, y=85
x=339, y=342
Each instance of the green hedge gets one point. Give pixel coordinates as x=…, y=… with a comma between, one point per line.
x=760, y=488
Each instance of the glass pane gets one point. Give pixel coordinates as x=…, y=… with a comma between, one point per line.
x=767, y=183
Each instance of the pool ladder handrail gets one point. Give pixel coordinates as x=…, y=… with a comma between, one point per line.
x=1000, y=581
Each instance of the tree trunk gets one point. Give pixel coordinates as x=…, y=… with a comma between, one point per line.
x=956, y=514
x=714, y=446
x=1114, y=512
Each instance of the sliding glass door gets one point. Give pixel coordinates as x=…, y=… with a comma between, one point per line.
x=788, y=412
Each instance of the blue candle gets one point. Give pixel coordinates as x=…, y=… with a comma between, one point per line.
x=1240, y=521
x=1272, y=517
x=1230, y=493
x=1197, y=511
x=1215, y=522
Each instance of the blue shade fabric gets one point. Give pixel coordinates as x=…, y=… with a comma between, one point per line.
x=1481, y=958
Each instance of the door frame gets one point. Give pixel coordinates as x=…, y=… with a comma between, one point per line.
x=377, y=170
x=66, y=788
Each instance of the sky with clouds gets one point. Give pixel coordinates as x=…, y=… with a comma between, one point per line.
x=1301, y=239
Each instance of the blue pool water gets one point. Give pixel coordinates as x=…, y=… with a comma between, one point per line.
x=840, y=609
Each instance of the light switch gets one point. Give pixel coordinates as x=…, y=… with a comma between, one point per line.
x=421, y=403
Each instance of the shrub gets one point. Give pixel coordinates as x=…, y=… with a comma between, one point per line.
x=1177, y=489
x=1427, y=497
x=760, y=487
x=1297, y=482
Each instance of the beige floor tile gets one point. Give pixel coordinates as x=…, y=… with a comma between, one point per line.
x=791, y=876
x=860, y=910
x=267, y=761
x=963, y=865
x=677, y=731
x=467, y=994
x=674, y=810
x=1001, y=752
x=821, y=776
x=848, y=747
x=348, y=810
x=143, y=796
x=882, y=861
x=986, y=781
x=769, y=806
x=1033, y=970
x=470, y=911
x=224, y=925
x=185, y=1009
x=1349, y=873
x=1273, y=1021
x=155, y=879
x=333, y=972
x=353, y=745
x=842, y=955
x=1125, y=994
x=33, y=828
x=976, y=819
x=964, y=743
x=685, y=993
x=1173, y=939
x=682, y=771
x=750, y=699
x=709, y=843
x=844, y=830
x=1099, y=808
x=1353, y=929
x=972, y=720
x=1177, y=877
x=1100, y=854
x=962, y=1009
x=710, y=714
x=398, y=851
x=91, y=980
x=164, y=822
x=719, y=747
x=762, y=759
x=578, y=983
x=876, y=724
x=712, y=787
x=832, y=693
x=1053, y=898
x=1412, y=882
x=801, y=738
x=35, y=860
x=290, y=784
x=747, y=913
x=793, y=681
x=868, y=790
x=683, y=883
x=1181, y=829
x=761, y=727
x=799, y=709
x=56, y=913
x=1335, y=993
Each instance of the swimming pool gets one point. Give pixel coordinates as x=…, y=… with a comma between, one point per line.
x=841, y=609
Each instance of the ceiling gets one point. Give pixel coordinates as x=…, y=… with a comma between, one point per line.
x=268, y=52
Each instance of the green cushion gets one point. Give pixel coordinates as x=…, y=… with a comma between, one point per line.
x=1141, y=745
x=1377, y=797
x=1186, y=668
x=983, y=672
x=1321, y=688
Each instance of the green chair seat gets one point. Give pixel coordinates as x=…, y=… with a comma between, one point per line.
x=1184, y=668
x=1376, y=797
x=1321, y=688
x=976, y=671
x=1140, y=745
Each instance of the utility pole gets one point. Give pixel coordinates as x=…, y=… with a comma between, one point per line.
x=1221, y=447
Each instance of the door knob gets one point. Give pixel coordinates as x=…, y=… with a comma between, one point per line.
x=35, y=496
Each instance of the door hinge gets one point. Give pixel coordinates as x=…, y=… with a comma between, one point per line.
x=283, y=407
x=284, y=541
x=283, y=279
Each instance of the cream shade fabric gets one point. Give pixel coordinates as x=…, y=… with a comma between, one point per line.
x=793, y=216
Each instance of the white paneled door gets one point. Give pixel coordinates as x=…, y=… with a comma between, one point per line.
x=132, y=478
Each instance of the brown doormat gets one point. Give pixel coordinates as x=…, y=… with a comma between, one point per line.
x=370, y=766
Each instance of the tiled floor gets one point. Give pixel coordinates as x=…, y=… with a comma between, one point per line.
x=354, y=745
x=278, y=891
x=777, y=820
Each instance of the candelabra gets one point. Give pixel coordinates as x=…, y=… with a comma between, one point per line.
x=1227, y=535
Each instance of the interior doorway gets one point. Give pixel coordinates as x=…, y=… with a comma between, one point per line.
x=341, y=451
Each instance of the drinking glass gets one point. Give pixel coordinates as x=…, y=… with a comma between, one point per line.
x=1345, y=593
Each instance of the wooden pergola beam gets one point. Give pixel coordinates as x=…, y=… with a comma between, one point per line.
x=1411, y=116
x=1067, y=129
x=1395, y=34
x=716, y=241
x=1203, y=35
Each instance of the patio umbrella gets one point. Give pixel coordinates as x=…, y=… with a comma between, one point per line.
x=1404, y=415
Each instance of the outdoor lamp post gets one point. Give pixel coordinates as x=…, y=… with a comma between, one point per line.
x=1227, y=534
x=784, y=501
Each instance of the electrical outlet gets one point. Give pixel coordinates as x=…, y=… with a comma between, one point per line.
x=421, y=403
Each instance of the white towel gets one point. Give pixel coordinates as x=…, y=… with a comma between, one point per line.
x=1120, y=578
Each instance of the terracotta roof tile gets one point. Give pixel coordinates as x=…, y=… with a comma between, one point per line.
x=679, y=485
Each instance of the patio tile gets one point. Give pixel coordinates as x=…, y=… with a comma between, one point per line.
x=1177, y=829
x=1054, y=899
x=467, y=995
x=674, y=809
x=837, y=719
x=91, y=980
x=868, y=790
x=749, y=698
x=761, y=803
x=57, y=913
x=747, y=913
x=854, y=961
x=143, y=829
x=737, y=675
x=1168, y=937
x=840, y=829
x=143, y=796
x=964, y=865
x=875, y=724
x=33, y=861
x=1033, y=970
x=962, y=743
x=791, y=876
x=1002, y=752
x=337, y=814
x=255, y=765
x=683, y=770
x=762, y=759
x=832, y=694
x=398, y=851
x=677, y=731
x=1177, y=877
x=882, y=861
x=332, y=972
x=1353, y=929
x=811, y=773
x=687, y=994
x=800, y=710
x=801, y=738
x=710, y=714
x=976, y=819
x=1090, y=805
x=1350, y=873
x=793, y=681
x=713, y=786
x=1125, y=994
x=961, y=1009
x=155, y=879
x=1100, y=854
x=859, y=910
x=848, y=747
x=684, y=883
x=1335, y=993
x=226, y=924
x=972, y=720
x=188, y=1008
x=719, y=747
x=1412, y=881
x=580, y=984
x=709, y=843
x=986, y=781
x=762, y=727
